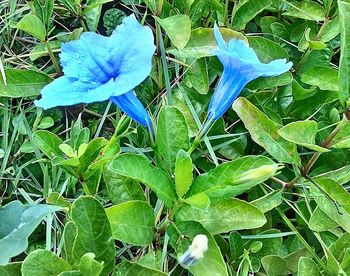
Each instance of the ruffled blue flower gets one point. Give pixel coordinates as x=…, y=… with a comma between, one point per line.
x=241, y=65
x=98, y=68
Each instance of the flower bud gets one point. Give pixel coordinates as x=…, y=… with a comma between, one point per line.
x=195, y=251
x=259, y=174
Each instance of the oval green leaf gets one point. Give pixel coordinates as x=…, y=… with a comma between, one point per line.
x=132, y=222
x=228, y=215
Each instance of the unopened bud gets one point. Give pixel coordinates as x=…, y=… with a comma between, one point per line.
x=257, y=175
x=195, y=251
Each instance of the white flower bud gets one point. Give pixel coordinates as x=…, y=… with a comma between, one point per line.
x=195, y=251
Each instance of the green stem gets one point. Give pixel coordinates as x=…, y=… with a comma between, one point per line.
x=202, y=132
x=226, y=14
x=300, y=237
x=165, y=65
x=302, y=60
x=159, y=59
x=53, y=58
x=326, y=144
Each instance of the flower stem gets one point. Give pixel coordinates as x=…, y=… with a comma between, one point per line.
x=53, y=58
x=165, y=65
x=202, y=132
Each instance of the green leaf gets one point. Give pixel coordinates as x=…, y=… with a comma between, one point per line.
x=338, y=247
x=247, y=12
x=344, y=65
x=228, y=215
x=235, y=177
x=44, y=263
x=183, y=173
x=306, y=9
x=140, y=169
x=12, y=269
x=342, y=138
x=44, y=9
x=271, y=240
x=341, y=213
x=22, y=83
x=274, y=265
x=71, y=273
x=41, y=50
x=319, y=221
x=69, y=235
x=202, y=43
x=92, y=152
x=33, y=25
x=269, y=201
x=333, y=266
x=48, y=143
x=172, y=135
x=46, y=122
x=197, y=76
x=18, y=222
x=301, y=93
x=121, y=189
x=266, y=49
x=180, y=239
x=90, y=267
x=323, y=77
x=307, y=267
x=236, y=245
x=128, y=268
x=293, y=258
x=93, y=232
x=132, y=222
x=199, y=201
x=330, y=29
x=271, y=82
x=92, y=4
x=153, y=259
x=67, y=150
x=178, y=28
x=341, y=175
x=265, y=132
x=302, y=133
x=93, y=13
x=55, y=198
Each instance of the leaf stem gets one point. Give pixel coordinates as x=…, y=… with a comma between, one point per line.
x=300, y=237
x=326, y=144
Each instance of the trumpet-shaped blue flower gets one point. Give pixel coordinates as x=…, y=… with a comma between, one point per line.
x=241, y=65
x=97, y=68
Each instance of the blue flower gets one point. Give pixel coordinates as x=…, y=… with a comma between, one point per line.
x=97, y=68
x=241, y=65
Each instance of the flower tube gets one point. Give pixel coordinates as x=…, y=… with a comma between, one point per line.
x=241, y=65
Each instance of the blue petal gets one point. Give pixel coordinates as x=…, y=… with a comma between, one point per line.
x=132, y=47
x=87, y=59
x=126, y=56
x=219, y=39
x=274, y=68
x=238, y=48
x=230, y=85
x=69, y=91
x=131, y=105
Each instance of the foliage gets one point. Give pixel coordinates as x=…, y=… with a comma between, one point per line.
x=87, y=191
